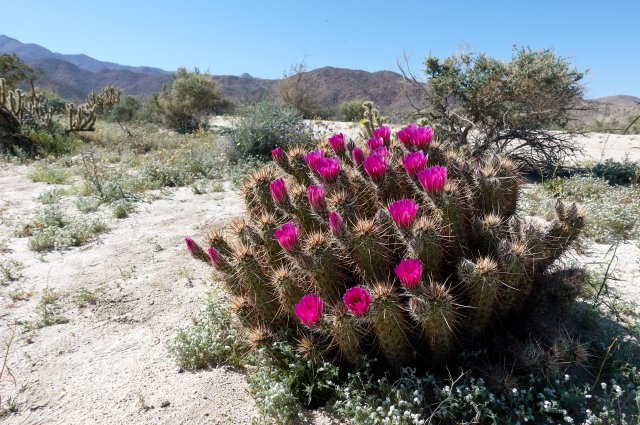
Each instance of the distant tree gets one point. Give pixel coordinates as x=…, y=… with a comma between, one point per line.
x=298, y=89
x=15, y=71
x=188, y=100
x=351, y=111
x=517, y=108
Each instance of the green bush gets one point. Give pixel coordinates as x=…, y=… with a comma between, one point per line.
x=352, y=111
x=617, y=172
x=266, y=125
x=126, y=110
x=185, y=104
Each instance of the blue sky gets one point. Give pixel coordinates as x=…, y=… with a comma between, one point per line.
x=264, y=38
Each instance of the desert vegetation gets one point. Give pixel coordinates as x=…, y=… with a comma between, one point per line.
x=369, y=271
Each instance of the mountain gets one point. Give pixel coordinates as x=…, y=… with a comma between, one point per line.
x=622, y=100
x=30, y=52
x=73, y=76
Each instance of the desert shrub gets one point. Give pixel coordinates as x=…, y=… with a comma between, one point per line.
x=617, y=172
x=45, y=172
x=487, y=105
x=52, y=229
x=188, y=100
x=352, y=111
x=125, y=111
x=10, y=270
x=266, y=125
x=299, y=89
x=49, y=141
x=343, y=256
x=212, y=339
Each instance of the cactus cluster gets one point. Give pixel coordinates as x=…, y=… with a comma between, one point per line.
x=407, y=252
x=25, y=107
x=104, y=101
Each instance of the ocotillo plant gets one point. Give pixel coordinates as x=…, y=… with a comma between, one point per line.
x=408, y=252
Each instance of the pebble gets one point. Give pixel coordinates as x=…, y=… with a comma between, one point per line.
x=165, y=403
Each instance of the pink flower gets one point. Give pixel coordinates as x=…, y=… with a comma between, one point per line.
x=313, y=159
x=192, y=246
x=328, y=169
x=358, y=156
x=404, y=212
x=433, y=178
x=375, y=143
x=315, y=194
x=287, y=236
x=337, y=143
x=216, y=258
x=278, y=155
x=278, y=191
x=309, y=310
x=357, y=300
x=336, y=224
x=383, y=133
x=409, y=271
x=376, y=166
x=415, y=162
x=416, y=137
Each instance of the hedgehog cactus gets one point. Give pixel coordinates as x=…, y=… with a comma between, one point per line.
x=409, y=253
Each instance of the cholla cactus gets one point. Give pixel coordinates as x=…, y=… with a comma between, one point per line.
x=409, y=253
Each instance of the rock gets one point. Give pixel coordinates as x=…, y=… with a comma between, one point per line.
x=165, y=403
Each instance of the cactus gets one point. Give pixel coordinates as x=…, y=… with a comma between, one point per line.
x=81, y=118
x=105, y=100
x=23, y=107
x=410, y=253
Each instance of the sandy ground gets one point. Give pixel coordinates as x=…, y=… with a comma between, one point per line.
x=111, y=357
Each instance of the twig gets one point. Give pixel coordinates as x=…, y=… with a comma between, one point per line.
x=5, y=360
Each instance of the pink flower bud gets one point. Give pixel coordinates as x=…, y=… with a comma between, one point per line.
x=192, y=246
x=409, y=272
x=309, y=310
x=415, y=162
x=216, y=258
x=313, y=159
x=433, y=178
x=375, y=143
x=358, y=156
x=414, y=137
x=315, y=194
x=287, y=236
x=404, y=212
x=278, y=191
x=336, y=224
x=279, y=156
x=376, y=166
x=357, y=300
x=337, y=143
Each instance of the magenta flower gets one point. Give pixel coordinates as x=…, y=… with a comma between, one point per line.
x=309, y=310
x=433, y=178
x=404, y=212
x=383, y=133
x=313, y=159
x=192, y=246
x=337, y=143
x=415, y=162
x=375, y=143
x=416, y=137
x=287, y=236
x=357, y=300
x=278, y=191
x=216, y=258
x=336, y=224
x=328, y=169
x=409, y=271
x=376, y=166
x=278, y=155
x=315, y=194
x=358, y=156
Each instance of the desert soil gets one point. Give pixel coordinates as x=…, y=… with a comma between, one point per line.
x=109, y=363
